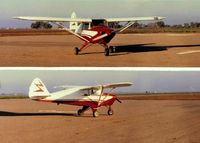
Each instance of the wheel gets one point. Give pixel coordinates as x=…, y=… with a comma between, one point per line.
x=111, y=49
x=79, y=112
x=95, y=113
x=76, y=51
x=110, y=112
x=106, y=52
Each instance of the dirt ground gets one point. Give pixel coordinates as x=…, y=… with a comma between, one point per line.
x=140, y=121
x=132, y=50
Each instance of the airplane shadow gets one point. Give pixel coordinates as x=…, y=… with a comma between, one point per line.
x=5, y=113
x=89, y=53
x=148, y=47
x=138, y=48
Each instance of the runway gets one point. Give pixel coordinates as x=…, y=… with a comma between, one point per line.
x=140, y=121
x=132, y=50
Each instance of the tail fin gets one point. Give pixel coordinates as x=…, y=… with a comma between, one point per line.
x=37, y=90
x=75, y=26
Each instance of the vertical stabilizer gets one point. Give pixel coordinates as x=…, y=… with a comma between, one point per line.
x=73, y=25
x=37, y=89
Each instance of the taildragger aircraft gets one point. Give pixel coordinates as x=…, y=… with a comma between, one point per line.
x=91, y=31
x=86, y=96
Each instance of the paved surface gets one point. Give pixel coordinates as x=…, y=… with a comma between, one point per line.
x=140, y=121
x=133, y=50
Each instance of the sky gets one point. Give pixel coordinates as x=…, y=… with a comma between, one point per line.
x=152, y=80
x=176, y=11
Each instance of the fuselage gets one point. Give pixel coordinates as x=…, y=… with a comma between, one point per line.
x=80, y=98
x=94, y=35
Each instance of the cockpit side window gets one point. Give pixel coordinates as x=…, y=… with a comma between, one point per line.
x=85, y=26
x=98, y=22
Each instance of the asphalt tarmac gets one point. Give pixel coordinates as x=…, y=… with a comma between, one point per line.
x=132, y=50
x=140, y=121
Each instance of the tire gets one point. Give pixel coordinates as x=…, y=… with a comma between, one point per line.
x=95, y=113
x=76, y=51
x=107, y=52
x=79, y=112
x=111, y=49
x=110, y=112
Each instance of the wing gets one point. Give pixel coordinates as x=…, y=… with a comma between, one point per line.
x=90, y=88
x=131, y=21
x=53, y=19
x=134, y=19
x=115, y=85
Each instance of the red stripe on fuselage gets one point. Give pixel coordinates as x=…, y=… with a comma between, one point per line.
x=101, y=30
x=92, y=104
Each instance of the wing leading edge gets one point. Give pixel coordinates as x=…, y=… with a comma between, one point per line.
x=86, y=20
x=114, y=85
x=134, y=19
x=53, y=19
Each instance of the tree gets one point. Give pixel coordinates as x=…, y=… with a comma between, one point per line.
x=160, y=24
x=41, y=25
x=186, y=25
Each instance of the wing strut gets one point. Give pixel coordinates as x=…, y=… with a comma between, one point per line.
x=70, y=31
x=129, y=24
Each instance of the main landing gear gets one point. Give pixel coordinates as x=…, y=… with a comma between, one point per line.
x=95, y=112
x=81, y=111
x=110, y=112
x=109, y=50
x=76, y=51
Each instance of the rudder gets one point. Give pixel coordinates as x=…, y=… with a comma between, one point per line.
x=73, y=25
x=38, y=90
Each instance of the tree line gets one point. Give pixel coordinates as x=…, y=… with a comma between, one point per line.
x=136, y=25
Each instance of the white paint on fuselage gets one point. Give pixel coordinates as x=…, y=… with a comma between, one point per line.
x=89, y=33
x=75, y=94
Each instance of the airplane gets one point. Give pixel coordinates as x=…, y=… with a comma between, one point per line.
x=91, y=31
x=86, y=96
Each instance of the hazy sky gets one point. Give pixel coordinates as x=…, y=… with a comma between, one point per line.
x=17, y=81
x=176, y=11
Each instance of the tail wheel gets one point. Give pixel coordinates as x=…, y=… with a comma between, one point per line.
x=95, y=113
x=110, y=112
x=107, y=52
x=79, y=112
x=76, y=51
x=111, y=49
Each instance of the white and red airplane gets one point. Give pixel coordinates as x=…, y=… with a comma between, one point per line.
x=85, y=96
x=91, y=31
